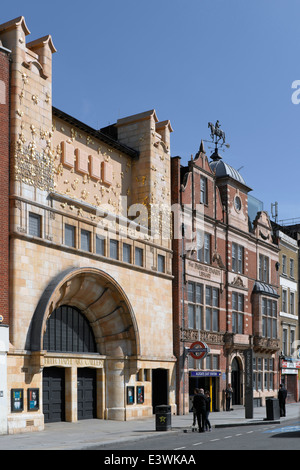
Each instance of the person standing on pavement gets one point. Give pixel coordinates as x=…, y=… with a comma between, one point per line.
x=207, y=422
x=194, y=409
x=200, y=407
x=228, y=393
x=282, y=394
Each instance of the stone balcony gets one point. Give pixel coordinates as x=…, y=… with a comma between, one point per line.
x=266, y=345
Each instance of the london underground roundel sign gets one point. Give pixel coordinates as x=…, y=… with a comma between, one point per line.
x=199, y=350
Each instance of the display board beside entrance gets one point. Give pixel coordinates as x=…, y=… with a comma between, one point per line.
x=199, y=350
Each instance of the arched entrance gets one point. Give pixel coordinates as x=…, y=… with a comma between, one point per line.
x=236, y=381
x=84, y=321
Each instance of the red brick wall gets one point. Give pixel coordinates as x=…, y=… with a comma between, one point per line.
x=4, y=185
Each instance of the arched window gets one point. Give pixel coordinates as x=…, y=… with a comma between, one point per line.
x=68, y=330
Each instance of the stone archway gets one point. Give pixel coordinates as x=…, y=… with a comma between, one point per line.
x=110, y=315
x=237, y=379
x=104, y=303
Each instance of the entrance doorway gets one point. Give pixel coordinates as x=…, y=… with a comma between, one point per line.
x=86, y=394
x=236, y=381
x=210, y=384
x=54, y=394
x=160, y=389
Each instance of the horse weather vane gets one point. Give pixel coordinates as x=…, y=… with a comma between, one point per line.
x=217, y=135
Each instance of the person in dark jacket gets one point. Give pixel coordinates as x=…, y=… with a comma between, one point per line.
x=282, y=394
x=207, y=422
x=200, y=407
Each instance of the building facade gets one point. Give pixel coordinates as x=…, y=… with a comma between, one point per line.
x=289, y=318
x=225, y=293
x=4, y=231
x=88, y=256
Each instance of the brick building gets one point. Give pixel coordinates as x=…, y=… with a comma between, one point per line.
x=86, y=260
x=225, y=292
x=4, y=229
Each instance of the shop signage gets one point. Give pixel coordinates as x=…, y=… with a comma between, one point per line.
x=205, y=373
x=290, y=365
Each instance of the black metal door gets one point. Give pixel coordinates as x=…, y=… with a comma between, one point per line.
x=54, y=394
x=86, y=393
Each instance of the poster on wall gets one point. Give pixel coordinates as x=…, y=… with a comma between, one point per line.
x=17, y=400
x=33, y=399
x=130, y=395
x=140, y=394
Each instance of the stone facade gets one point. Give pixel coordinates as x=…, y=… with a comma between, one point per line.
x=225, y=274
x=87, y=211
x=4, y=232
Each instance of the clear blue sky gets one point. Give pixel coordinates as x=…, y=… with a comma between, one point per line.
x=193, y=61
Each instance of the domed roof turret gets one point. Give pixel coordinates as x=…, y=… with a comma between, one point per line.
x=222, y=169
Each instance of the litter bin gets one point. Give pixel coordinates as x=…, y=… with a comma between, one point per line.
x=272, y=407
x=163, y=418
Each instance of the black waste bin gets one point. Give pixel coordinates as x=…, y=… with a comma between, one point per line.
x=163, y=418
x=272, y=407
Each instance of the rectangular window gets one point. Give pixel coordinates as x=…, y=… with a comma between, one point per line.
x=161, y=264
x=263, y=268
x=237, y=258
x=292, y=303
x=100, y=245
x=70, y=235
x=203, y=247
x=284, y=300
x=269, y=318
x=283, y=264
x=206, y=248
x=194, y=295
x=34, y=225
x=285, y=342
x=113, y=249
x=203, y=190
x=212, y=311
x=237, y=313
x=126, y=253
x=138, y=256
x=292, y=267
x=85, y=240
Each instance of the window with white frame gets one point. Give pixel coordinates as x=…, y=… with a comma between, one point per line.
x=292, y=272
x=237, y=313
x=195, y=305
x=284, y=300
x=292, y=303
x=237, y=258
x=211, y=308
x=269, y=318
x=203, y=190
x=263, y=268
x=203, y=247
x=283, y=264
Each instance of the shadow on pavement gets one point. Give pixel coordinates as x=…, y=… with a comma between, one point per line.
x=287, y=434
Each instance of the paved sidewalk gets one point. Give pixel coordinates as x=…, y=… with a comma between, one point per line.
x=89, y=433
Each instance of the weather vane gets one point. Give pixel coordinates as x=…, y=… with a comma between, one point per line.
x=217, y=135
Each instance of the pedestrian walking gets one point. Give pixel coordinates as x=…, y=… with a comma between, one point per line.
x=228, y=393
x=208, y=401
x=200, y=407
x=282, y=394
